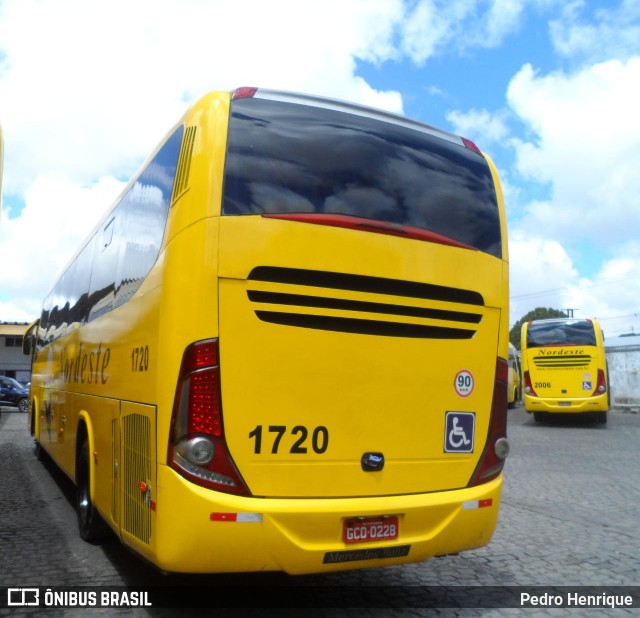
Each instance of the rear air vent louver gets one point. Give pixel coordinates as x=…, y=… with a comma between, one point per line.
x=356, y=315
x=181, y=183
x=547, y=362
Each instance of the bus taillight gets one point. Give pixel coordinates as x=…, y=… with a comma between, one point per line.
x=197, y=446
x=244, y=92
x=497, y=447
x=601, y=387
x=528, y=387
x=471, y=146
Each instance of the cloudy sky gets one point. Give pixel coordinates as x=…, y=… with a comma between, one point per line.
x=549, y=88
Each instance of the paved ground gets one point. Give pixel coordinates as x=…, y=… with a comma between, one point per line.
x=569, y=518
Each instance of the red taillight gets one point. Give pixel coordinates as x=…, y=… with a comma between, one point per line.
x=471, y=146
x=204, y=403
x=601, y=386
x=528, y=387
x=497, y=447
x=200, y=355
x=246, y=92
x=197, y=445
x=367, y=225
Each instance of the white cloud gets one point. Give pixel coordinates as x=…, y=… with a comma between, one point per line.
x=87, y=96
x=540, y=272
x=585, y=141
x=502, y=19
x=427, y=28
x=611, y=33
x=612, y=294
x=58, y=215
x=480, y=125
x=462, y=24
x=88, y=89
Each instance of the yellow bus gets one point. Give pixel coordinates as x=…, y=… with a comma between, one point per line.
x=564, y=368
x=514, y=383
x=285, y=346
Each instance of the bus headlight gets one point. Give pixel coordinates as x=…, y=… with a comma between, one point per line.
x=501, y=448
x=197, y=450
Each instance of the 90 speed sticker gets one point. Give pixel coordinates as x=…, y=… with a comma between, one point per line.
x=464, y=383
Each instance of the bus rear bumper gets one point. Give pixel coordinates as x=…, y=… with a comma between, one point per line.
x=201, y=531
x=570, y=405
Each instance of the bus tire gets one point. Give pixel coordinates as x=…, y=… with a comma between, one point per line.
x=91, y=526
x=38, y=451
x=539, y=417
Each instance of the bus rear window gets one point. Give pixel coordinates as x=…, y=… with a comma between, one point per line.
x=286, y=158
x=560, y=332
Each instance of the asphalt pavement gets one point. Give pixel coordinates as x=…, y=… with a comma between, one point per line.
x=569, y=518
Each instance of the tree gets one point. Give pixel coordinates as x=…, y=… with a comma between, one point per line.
x=539, y=313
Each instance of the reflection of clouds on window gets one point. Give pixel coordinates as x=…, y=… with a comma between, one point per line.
x=142, y=214
x=369, y=202
x=145, y=194
x=161, y=175
x=561, y=332
x=286, y=158
x=269, y=198
x=115, y=261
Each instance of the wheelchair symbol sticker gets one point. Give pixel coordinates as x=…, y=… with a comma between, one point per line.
x=459, y=432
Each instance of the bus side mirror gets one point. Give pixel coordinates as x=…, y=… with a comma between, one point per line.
x=29, y=339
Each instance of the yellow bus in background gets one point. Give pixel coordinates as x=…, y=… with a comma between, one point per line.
x=564, y=368
x=514, y=388
x=285, y=346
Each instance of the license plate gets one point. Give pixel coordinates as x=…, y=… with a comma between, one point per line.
x=367, y=529
x=564, y=403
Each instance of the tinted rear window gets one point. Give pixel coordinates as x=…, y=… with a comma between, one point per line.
x=560, y=332
x=291, y=158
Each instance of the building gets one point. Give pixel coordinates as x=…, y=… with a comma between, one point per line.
x=13, y=363
x=623, y=358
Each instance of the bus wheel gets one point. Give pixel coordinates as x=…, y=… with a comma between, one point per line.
x=539, y=417
x=91, y=526
x=602, y=417
x=38, y=451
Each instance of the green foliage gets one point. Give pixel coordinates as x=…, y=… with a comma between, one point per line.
x=539, y=313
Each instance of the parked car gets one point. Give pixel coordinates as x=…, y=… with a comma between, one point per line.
x=13, y=394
